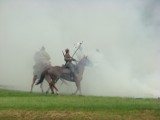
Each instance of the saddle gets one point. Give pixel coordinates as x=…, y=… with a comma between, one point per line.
x=67, y=73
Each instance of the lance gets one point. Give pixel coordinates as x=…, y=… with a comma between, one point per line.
x=63, y=52
x=77, y=49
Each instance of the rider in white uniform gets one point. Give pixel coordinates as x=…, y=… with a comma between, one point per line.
x=42, y=61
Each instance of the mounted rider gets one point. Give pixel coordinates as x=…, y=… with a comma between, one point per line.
x=68, y=59
x=42, y=61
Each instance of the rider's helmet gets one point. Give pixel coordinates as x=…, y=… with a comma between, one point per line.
x=67, y=50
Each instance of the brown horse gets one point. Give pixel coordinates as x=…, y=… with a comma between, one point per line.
x=54, y=73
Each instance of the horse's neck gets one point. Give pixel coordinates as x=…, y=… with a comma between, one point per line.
x=80, y=69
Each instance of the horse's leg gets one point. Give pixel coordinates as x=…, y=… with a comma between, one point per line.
x=54, y=82
x=56, y=89
x=76, y=89
x=50, y=82
x=80, y=87
x=77, y=82
x=48, y=90
x=33, y=81
x=41, y=86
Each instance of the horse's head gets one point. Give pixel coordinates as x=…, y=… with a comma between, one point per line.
x=85, y=61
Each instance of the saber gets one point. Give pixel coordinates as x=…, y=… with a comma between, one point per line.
x=77, y=49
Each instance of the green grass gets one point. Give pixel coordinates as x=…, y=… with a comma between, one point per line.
x=92, y=106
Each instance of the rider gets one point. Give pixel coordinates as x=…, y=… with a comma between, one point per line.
x=68, y=59
x=42, y=60
x=45, y=56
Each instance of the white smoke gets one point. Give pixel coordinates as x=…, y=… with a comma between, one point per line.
x=125, y=33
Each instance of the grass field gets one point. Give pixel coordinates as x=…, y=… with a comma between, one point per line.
x=16, y=105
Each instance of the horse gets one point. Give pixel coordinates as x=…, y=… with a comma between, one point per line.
x=54, y=73
x=37, y=77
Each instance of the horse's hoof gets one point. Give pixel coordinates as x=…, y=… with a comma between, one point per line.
x=57, y=93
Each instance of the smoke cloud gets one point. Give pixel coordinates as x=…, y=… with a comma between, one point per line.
x=121, y=38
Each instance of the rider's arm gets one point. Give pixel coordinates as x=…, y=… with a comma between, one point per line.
x=69, y=58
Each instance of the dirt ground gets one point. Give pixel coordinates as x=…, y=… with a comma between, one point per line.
x=61, y=115
x=44, y=115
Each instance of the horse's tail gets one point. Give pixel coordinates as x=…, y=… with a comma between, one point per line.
x=41, y=77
